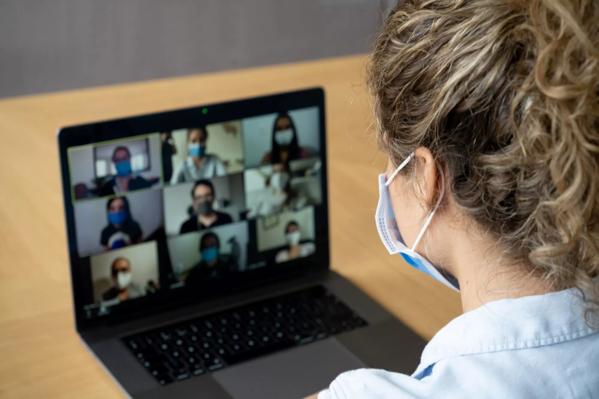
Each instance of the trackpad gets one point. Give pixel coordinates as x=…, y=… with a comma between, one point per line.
x=293, y=373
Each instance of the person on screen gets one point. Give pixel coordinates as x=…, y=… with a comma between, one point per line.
x=168, y=149
x=284, y=142
x=212, y=264
x=294, y=248
x=198, y=164
x=203, y=213
x=124, y=180
x=121, y=230
x=123, y=287
x=279, y=194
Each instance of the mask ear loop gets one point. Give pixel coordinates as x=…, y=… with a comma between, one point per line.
x=430, y=216
x=400, y=167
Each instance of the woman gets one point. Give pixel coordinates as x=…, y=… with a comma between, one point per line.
x=198, y=164
x=121, y=229
x=489, y=113
x=284, y=142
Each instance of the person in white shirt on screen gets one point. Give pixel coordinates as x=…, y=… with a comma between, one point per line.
x=198, y=164
x=488, y=111
x=294, y=249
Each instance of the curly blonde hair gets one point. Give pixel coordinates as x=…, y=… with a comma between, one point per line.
x=505, y=94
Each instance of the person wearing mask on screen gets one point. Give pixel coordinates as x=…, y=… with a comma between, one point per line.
x=488, y=112
x=281, y=181
x=284, y=146
x=123, y=287
x=125, y=179
x=203, y=214
x=121, y=230
x=198, y=164
x=278, y=194
x=295, y=249
x=212, y=263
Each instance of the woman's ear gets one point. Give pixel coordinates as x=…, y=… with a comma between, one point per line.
x=427, y=175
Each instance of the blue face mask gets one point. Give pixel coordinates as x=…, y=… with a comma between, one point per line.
x=392, y=239
x=118, y=217
x=123, y=168
x=196, y=150
x=209, y=254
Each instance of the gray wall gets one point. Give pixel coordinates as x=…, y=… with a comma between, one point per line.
x=48, y=45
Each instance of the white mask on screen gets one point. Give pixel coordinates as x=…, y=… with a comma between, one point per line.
x=293, y=238
x=123, y=279
x=284, y=137
x=392, y=239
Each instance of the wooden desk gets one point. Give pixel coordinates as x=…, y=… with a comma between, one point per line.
x=41, y=355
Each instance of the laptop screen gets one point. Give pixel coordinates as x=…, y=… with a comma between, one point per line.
x=199, y=204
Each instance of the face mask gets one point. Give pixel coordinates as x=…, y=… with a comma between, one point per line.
x=123, y=279
x=284, y=137
x=204, y=208
x=196, y=150
x=391, y=237
x=117, y=218
x=209, y=254
x=279, y=180
x=123, y=168
x=293, y=238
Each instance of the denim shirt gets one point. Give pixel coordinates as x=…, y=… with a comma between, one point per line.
x=530, y=347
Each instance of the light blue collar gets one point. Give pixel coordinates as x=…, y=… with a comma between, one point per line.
x=510, y=324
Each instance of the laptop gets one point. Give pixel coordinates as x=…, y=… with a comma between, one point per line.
x=200, y=255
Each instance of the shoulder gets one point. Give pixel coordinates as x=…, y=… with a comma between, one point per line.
x=282, y=256
x=132, y=227
x=305, y=152
x=189, y=225
x=308, y=248
x=110, y=293
x=106, y=233
x=266, y=158
x=224, y=217
x=107, y=230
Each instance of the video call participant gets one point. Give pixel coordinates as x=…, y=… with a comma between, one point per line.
x=124, y=180
x=279, y=195
x=294, y=249
x=121, y=230
x=280, y=180
x=123, y=287
x=198, y=164
x=204, y=215
x=284, y=142
x=212, y=264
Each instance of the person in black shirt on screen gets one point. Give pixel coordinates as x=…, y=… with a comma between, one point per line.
x=121, y=230
x=204, y=215
x=212, y=265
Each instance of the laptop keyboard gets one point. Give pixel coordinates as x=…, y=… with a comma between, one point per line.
x=212, y=342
